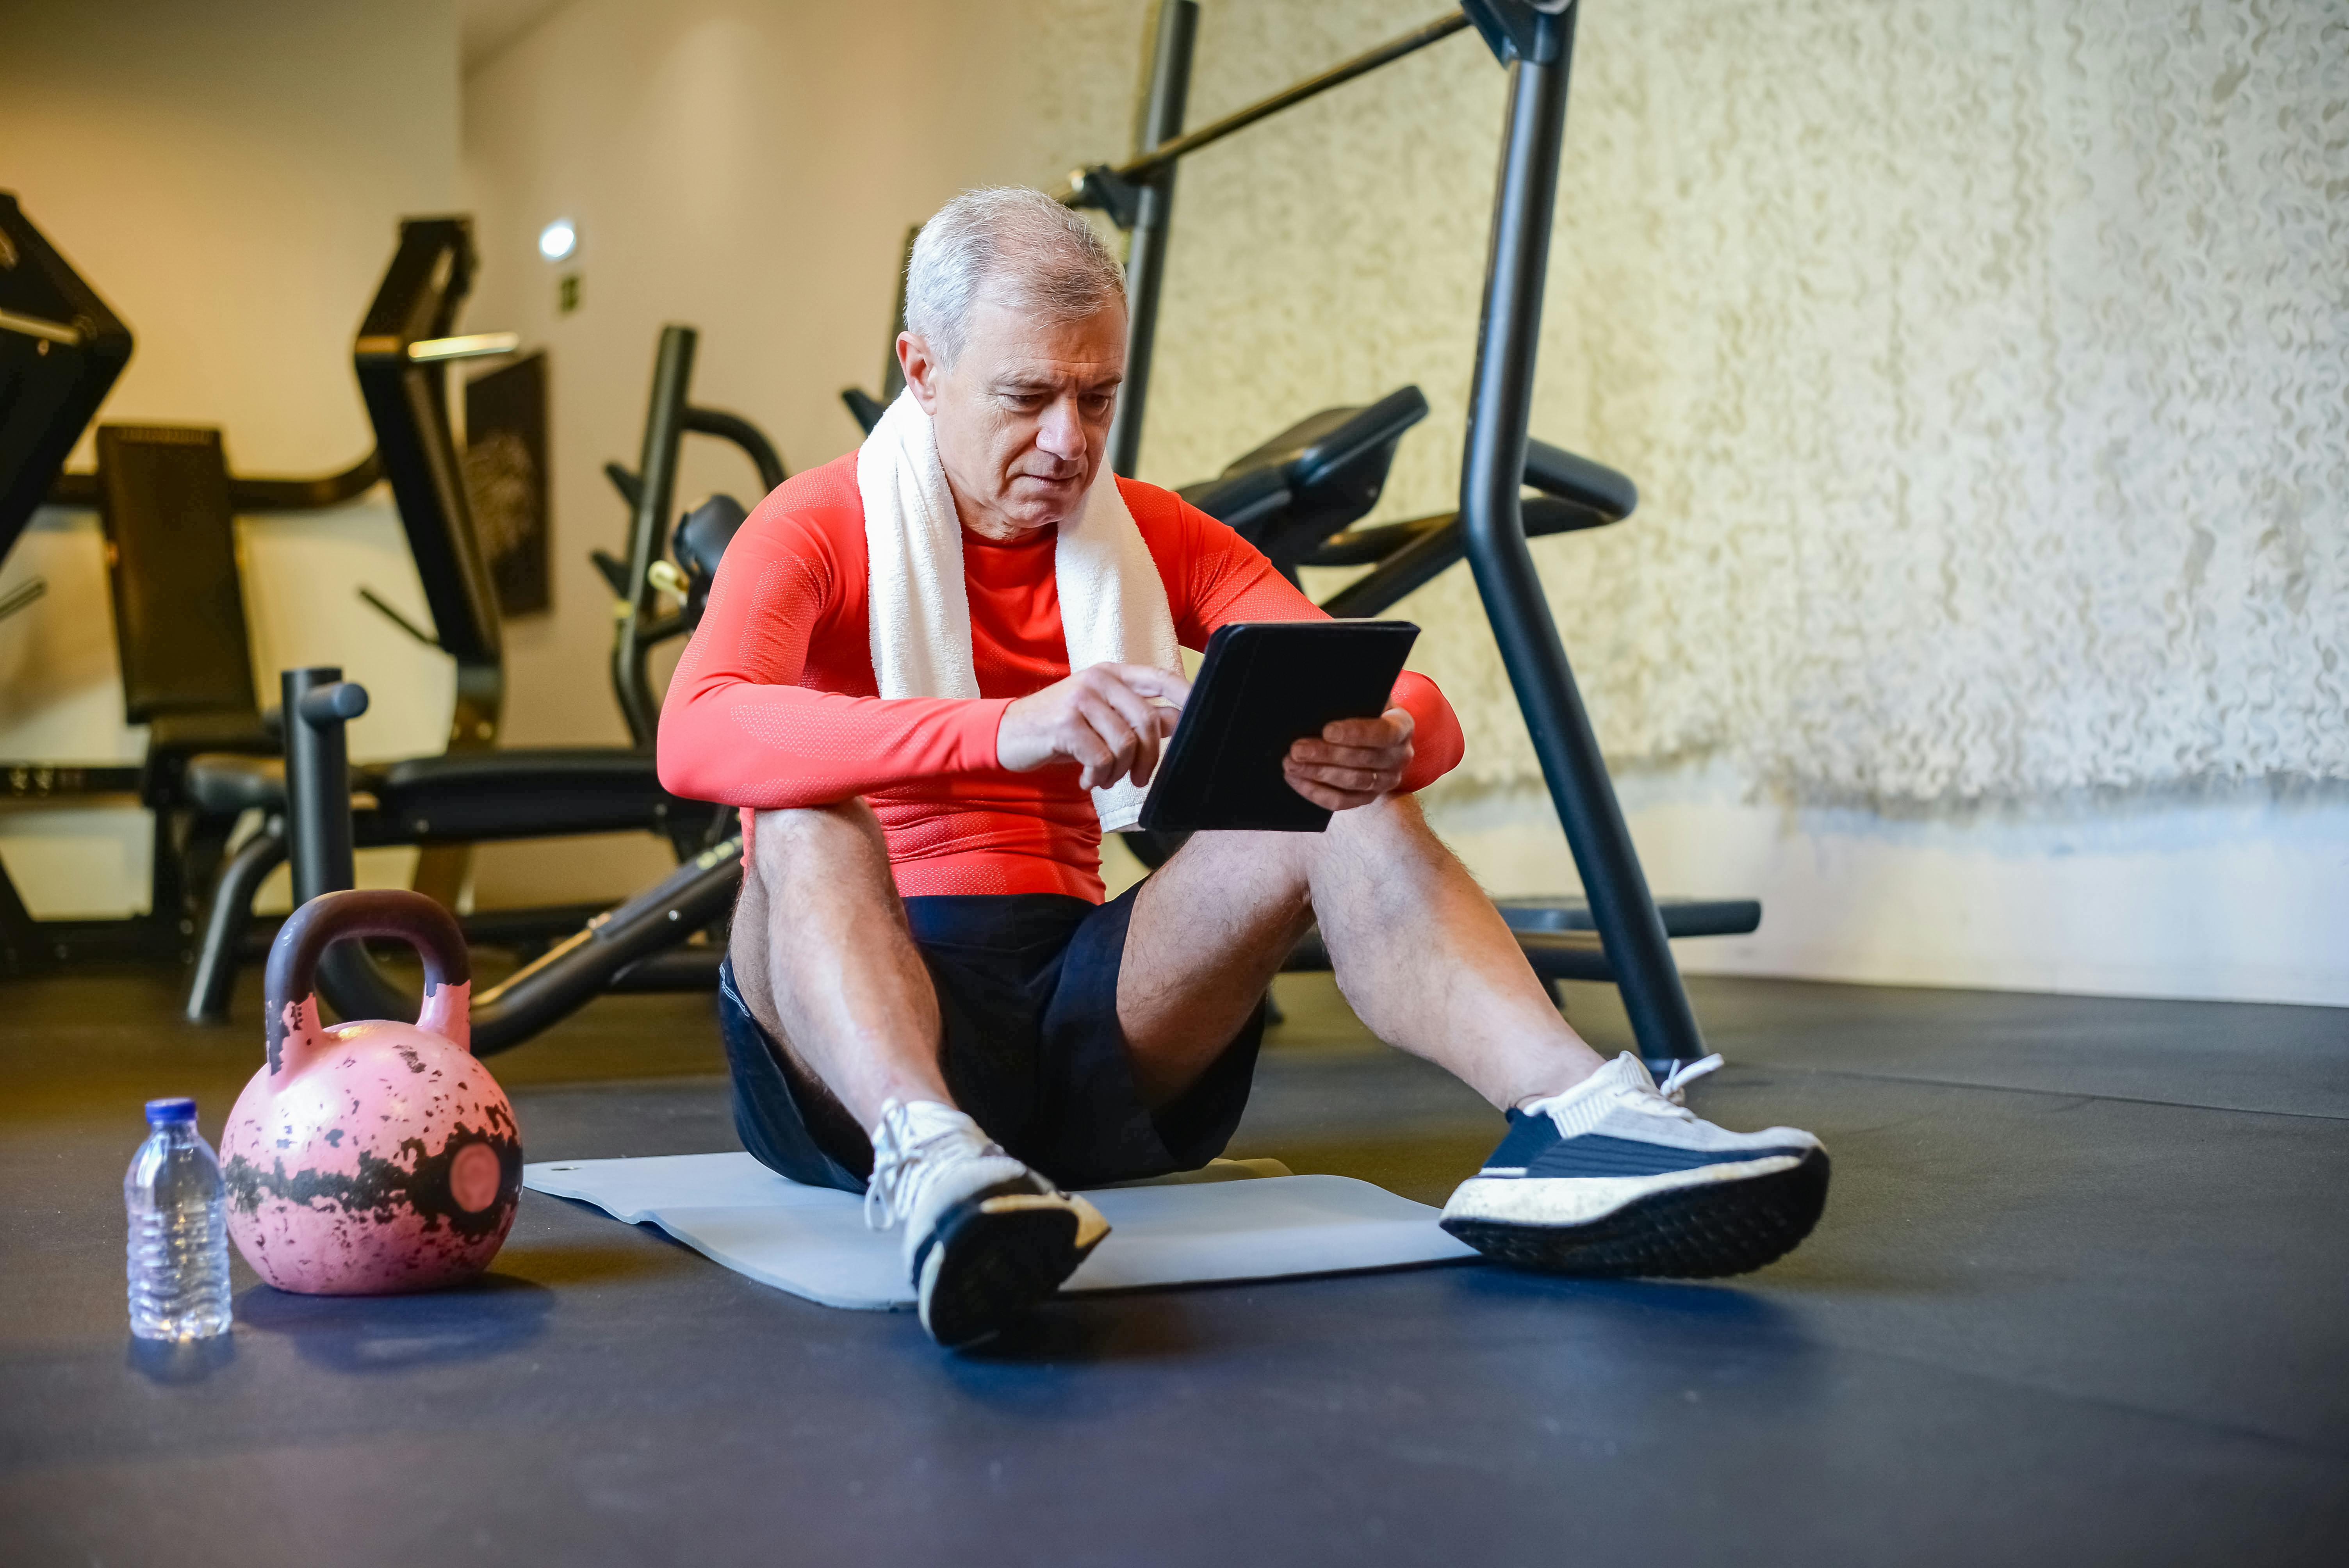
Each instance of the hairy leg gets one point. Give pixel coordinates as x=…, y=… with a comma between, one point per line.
x=824, y=962
x=1421, y=954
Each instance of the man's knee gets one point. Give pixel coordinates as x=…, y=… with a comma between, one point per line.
x=1389, y=822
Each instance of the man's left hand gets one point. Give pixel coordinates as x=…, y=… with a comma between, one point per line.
x=1355, y=761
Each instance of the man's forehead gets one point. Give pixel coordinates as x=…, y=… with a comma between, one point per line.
x=1026, y=346
x=1047, y=371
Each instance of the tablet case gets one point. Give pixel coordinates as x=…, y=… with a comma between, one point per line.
x=1264, y=685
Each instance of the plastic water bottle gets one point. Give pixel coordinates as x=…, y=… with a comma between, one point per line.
x=178, y=1229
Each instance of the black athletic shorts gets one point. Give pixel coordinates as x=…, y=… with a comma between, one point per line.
x=1027, y=986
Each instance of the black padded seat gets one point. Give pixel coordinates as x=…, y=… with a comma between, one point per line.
x=1315, y=479
x=700, y=544
x=466, y=797
x=225, y=785
x=463, y=796
x=703, y=534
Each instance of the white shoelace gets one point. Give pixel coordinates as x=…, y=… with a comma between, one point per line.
x=1627, y=1087
x=907, y=1148
x=1676, y=1082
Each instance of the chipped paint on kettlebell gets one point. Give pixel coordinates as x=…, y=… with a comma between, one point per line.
x=376, y=1157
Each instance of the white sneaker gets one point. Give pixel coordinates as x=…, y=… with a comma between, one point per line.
x=1617, y=1177
x=986, y=1237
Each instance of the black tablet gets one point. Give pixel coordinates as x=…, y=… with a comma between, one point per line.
x=1265, y=685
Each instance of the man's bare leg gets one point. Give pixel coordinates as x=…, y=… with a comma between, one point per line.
x=838, y=982
x=1421, y=954
x=1616, y=1180
x=825, y=964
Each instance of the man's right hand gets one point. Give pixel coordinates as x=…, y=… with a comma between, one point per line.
x=1110, y=719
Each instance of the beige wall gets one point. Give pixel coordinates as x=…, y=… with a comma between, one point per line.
x=229, y=176
x=748, y=167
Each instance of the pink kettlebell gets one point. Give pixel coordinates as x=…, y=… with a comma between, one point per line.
x=377, y=1157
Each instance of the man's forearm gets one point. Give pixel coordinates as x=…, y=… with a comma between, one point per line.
x=774, y=747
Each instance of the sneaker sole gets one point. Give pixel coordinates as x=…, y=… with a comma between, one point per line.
x=1689, y=1233
x=996, y=1259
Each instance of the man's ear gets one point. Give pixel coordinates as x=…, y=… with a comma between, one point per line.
x=921, y=369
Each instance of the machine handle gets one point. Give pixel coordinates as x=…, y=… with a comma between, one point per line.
x=332, y=917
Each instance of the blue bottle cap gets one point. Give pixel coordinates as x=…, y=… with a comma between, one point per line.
x=161, y=1111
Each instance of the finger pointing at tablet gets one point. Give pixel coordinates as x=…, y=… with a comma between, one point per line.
x=1112, y=720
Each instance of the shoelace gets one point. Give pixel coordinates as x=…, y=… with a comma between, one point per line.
x=903, y=1151
x=1625, y=1083
x=1683, y=1074
x=1667, y=1098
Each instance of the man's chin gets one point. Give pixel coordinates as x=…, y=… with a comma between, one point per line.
x=1034, y=505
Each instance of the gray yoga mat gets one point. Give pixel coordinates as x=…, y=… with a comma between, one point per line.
x=1234, y=1220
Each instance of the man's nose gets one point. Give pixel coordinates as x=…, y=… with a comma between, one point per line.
x=1063, y=432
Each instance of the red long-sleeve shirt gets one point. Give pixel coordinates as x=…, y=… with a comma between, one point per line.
x=774, y=704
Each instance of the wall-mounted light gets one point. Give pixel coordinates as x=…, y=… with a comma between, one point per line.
x=557, y=240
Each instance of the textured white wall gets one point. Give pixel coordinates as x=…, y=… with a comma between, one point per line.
x=1985, y=370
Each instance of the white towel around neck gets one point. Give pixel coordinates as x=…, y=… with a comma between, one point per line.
x=1112, y=605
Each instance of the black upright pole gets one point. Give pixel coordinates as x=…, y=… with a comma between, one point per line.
x=1145, y=254
x=655, y=493
x=1492, y=473
x=318, y=779
x=318, y=704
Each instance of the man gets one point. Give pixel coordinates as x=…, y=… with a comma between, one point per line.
x=925, y=997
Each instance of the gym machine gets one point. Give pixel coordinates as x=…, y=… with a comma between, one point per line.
x=667, y=938
x=61, y=350
x=693, y=549
x=661, y=939
x=1298, y=496
x=472, y=793
x=166, y=502
x=1620, y=936
x=1535, y=40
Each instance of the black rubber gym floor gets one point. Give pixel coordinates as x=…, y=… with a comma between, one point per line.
x=2081, y=1297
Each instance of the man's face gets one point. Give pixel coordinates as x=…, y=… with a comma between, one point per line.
x=1022, y=414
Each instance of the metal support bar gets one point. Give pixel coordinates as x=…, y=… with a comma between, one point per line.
x=231, y=914
x=1146, y=253
x=1492, y=471
x=1167, y=154
x=751, y=439
x=665, y=427
x=249, y=494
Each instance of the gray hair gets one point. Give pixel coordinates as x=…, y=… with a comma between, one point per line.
x=1038, y=255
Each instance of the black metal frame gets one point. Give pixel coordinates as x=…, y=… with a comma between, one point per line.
x=632, y=946
x=422, y=291
x=1139, y=194
x=1536, y=41
x=472, y=791
x=651, y=493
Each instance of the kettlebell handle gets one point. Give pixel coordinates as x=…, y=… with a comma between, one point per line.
x=332, y=917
